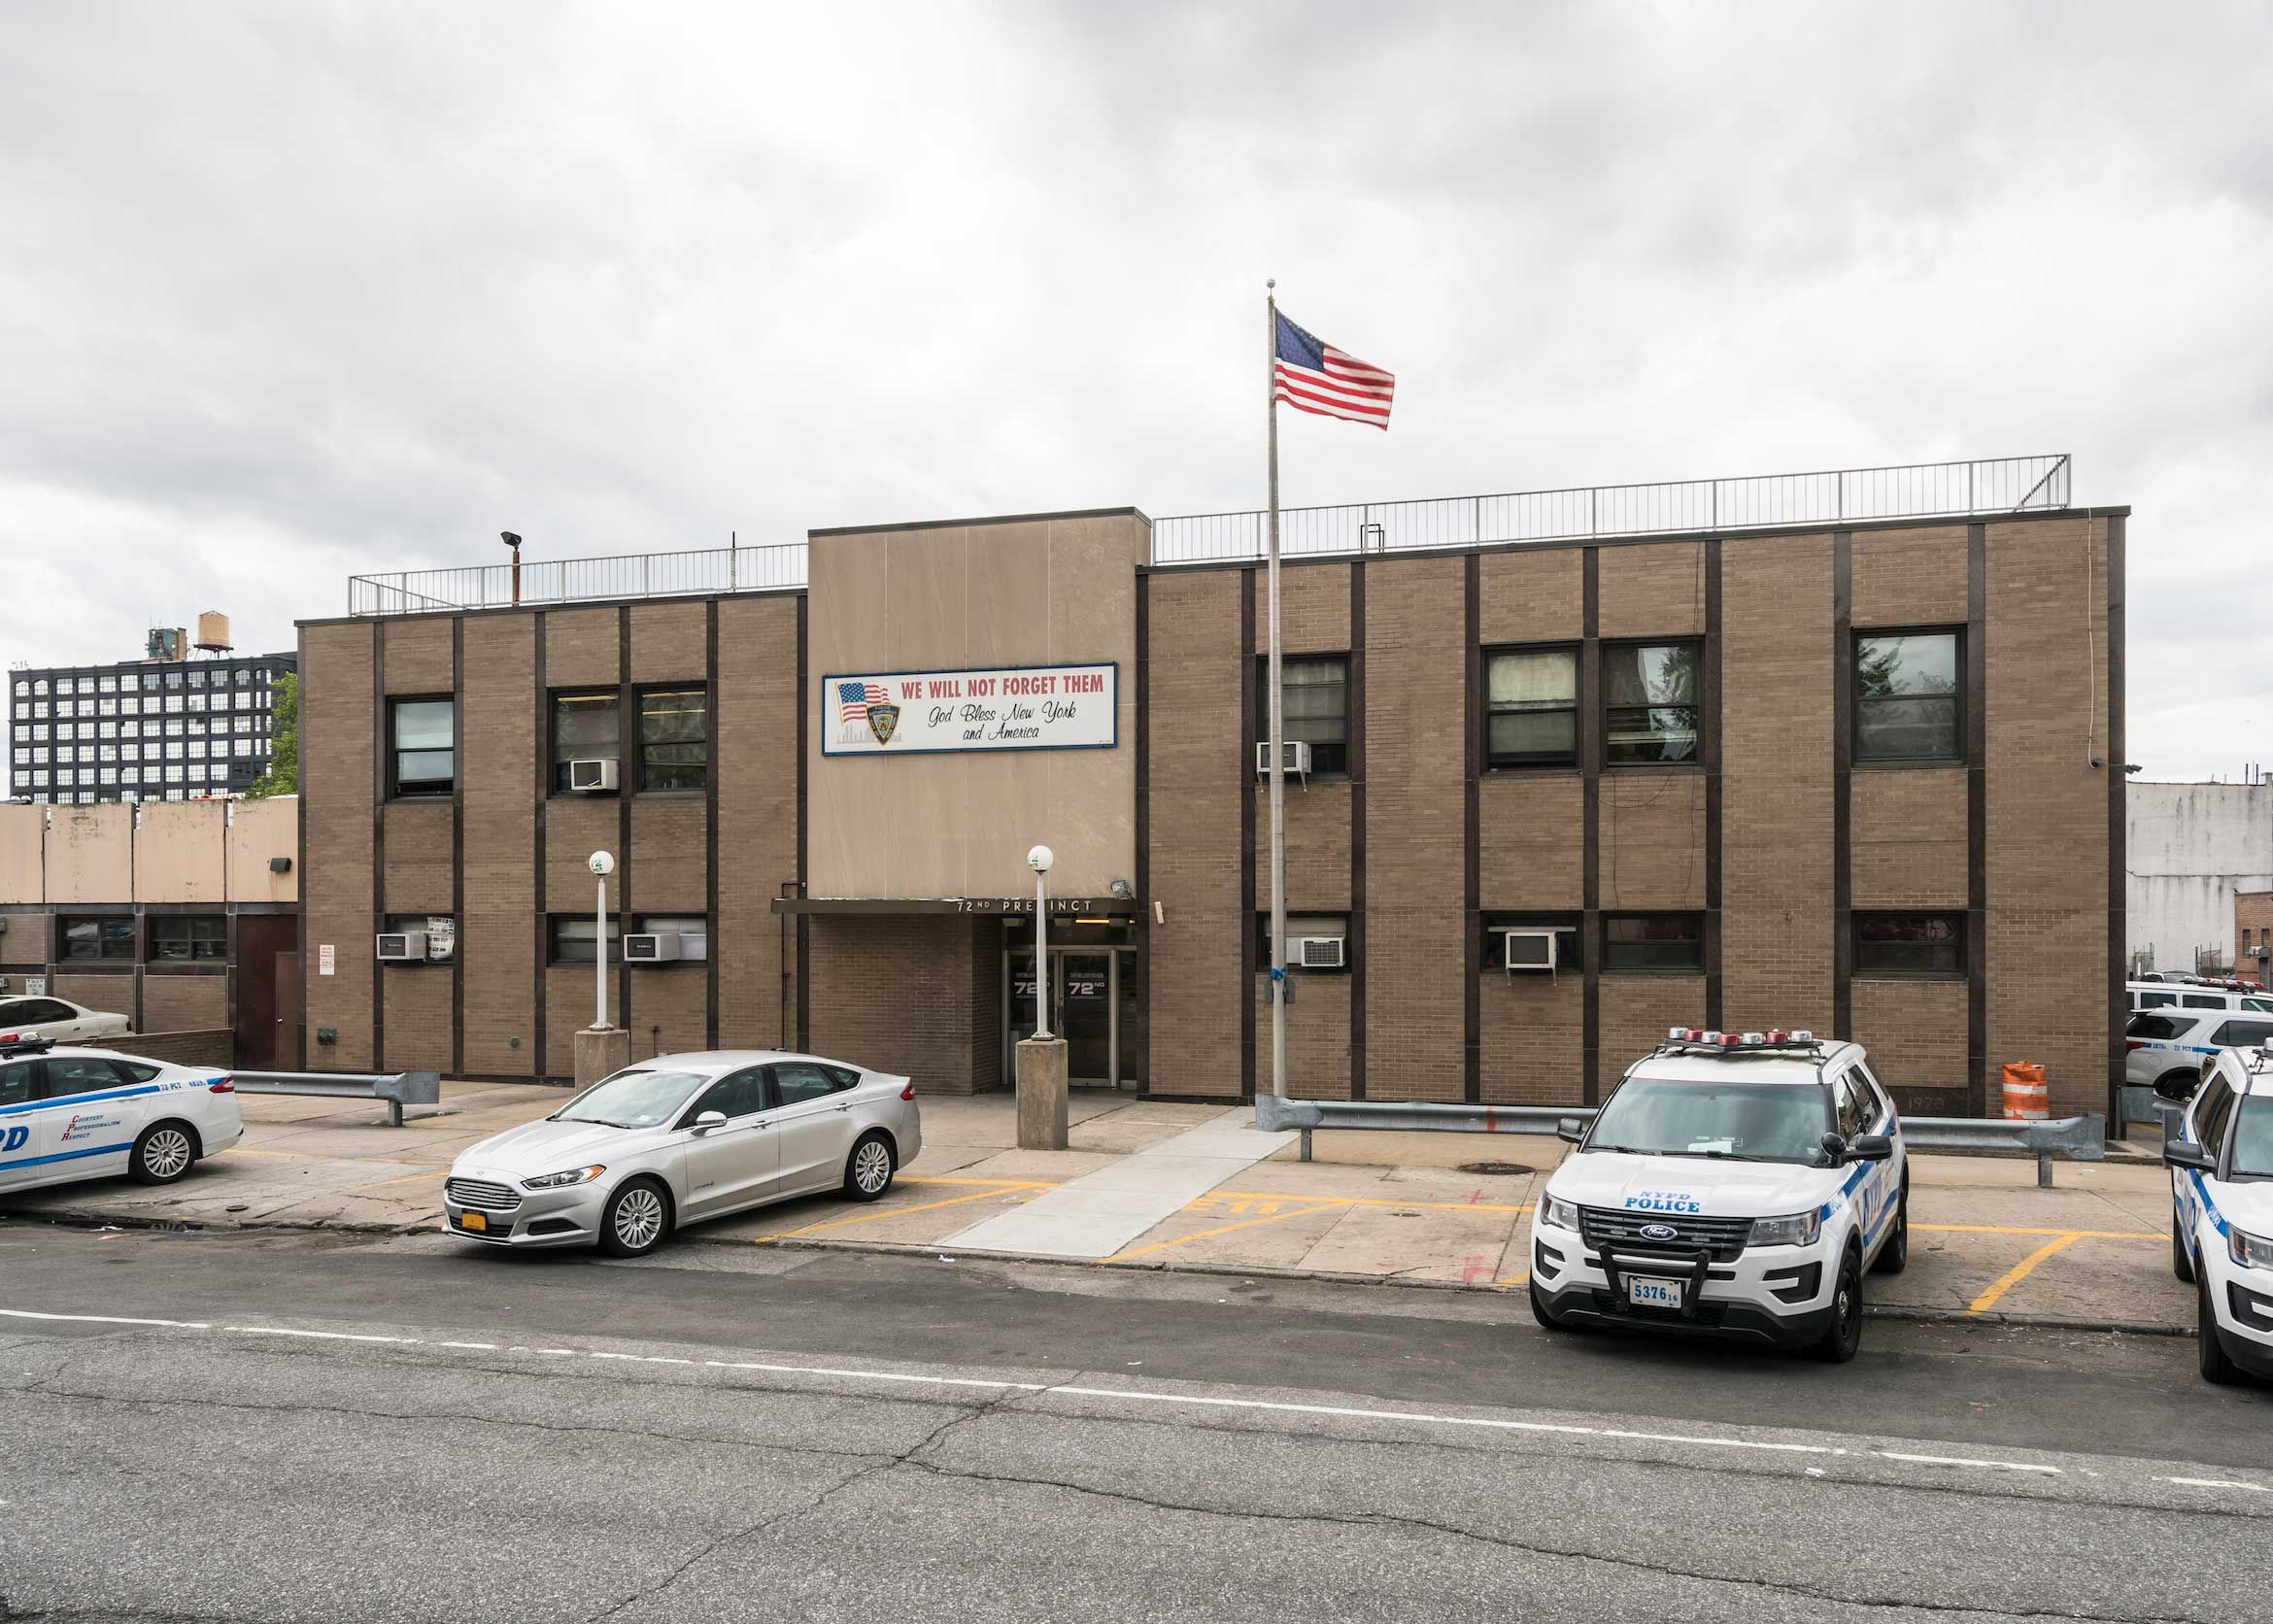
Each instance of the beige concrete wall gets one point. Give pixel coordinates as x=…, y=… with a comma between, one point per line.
x=178, y=852
x=259, y=830
x=23, y=832
x=91, y=856
x=1031, y=592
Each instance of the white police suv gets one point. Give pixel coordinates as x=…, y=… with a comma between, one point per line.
x=89, y=1113
x=2222, y=1211
x=1734, y=1185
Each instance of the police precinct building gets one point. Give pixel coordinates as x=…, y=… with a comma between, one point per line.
x=1839, y=751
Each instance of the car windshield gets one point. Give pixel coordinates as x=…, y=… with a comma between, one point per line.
x=1756, y=1122
x=633, y=1099
x=2252, y=1137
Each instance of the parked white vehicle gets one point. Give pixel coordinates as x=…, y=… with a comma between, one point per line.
x=2166, y=1049
x=2222, y=1213
x=2191, y=995
x=58, y=1020
x=683, y=1137
x=1733, y=1186
x=87, y=1113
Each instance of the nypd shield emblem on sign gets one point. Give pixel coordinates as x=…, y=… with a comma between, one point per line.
x=882, y=718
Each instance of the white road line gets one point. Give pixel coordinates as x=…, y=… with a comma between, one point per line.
x=2216, y=1483
x=108, y=1319
x=1965, y=1460
x=319, y=1335
x=485, y=1347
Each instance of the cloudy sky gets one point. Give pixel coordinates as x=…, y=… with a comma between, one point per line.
x=297, y=290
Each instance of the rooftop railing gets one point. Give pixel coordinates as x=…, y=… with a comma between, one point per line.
x=1761, y=502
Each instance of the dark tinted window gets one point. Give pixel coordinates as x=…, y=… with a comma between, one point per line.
x=134, y=1071
x=1673, y=941
x=75, y=1075
x=2156, y=1000
x=2243, y=1034
x=2154, y=1027
x=1853, y=1107
x=96, y=938
x=1317, y=709
x=16, y=1083
x=426, y=747
x=176, y=937
x=741, y=1094
x=674, y=739
x=2211, y=1111
x=576, y=938
x=799, y=1082
x=1649, y=703
x=1532, y=708
x=2252, y=1137
x=2201, y=1000
x=1910, y=943
x=1905, y=698
x=584, y=728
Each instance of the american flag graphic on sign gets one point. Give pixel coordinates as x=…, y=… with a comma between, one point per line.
x=1310, y=375
x=853, y=699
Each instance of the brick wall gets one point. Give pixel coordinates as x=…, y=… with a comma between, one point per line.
x=339, y=745
x=904, y=992
x=418, y=1028
x=498, y=765
x=1908, y=832
x=184, y=1002
x=2253, y=925
x=1636, y=1011
x=113, y=995
x=1416, y=783
x=1916, y=1032
x=1317, y=1035
x=1534, y=1038
x=1652, y=840
x=1908, y=577
x=1198, y=782
x=756, y=766
x=213, y=1047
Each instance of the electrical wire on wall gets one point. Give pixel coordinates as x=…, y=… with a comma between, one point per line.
x=2090, y=662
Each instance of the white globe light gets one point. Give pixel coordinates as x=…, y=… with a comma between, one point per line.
x=1040, y=860
x=602, y=863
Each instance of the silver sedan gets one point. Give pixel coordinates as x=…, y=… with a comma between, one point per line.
x=683, y=1137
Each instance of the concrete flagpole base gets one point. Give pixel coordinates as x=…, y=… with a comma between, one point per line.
x=1041, y=1094
x=600, y=1052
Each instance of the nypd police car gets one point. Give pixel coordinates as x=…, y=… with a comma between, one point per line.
x=1734, y=1185
x=2221, y=1207
x=69, y=1113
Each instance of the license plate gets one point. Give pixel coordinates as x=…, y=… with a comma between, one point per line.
x=1644, y=1293
x=472, y=1221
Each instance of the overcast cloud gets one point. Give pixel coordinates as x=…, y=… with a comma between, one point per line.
x=298, y=291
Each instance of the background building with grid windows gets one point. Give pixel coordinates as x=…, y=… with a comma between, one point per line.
x=142, y=729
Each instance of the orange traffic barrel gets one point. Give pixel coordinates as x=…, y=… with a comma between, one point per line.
x=2027, y=1095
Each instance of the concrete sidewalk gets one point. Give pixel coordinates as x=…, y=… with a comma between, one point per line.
x=1435, y=1209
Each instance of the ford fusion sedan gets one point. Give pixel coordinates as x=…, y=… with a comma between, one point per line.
x=58, y=1020
x=68, y=1113
x=1734, y=1185
x=683, y=1137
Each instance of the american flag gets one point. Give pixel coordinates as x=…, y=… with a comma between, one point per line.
x=1310, y=375
x=853, y=699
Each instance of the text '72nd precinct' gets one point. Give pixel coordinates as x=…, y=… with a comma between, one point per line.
x=1000, y=707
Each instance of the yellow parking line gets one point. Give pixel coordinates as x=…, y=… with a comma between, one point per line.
x=990, y=1183
x=1359, y=1201
x=889, y=1212
x=1224, y=1229
x=2020, y=1272
x=2072, y=1234
x=407, y=1178
x=1522, y=1279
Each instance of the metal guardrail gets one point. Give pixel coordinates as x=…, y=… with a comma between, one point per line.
x=397, y=1089
x=1671, y=507
x=1759, y=501
x=2079, y=1139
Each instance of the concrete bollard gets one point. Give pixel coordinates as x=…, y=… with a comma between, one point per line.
x=600, y=1052
x=1041, y=1094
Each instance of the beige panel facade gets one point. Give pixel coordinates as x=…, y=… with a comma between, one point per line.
x=260, y=831
x=91, y=854
x=179, y=852
x=24, y=840
x=1059, y=590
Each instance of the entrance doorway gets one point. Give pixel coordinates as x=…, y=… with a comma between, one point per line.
x=269, y=992
x=1093, y=1007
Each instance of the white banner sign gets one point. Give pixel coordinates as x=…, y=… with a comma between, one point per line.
x=988, y=707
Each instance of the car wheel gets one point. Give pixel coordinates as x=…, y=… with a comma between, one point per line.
x=1844, y=1340
x=1894, y=1254
x=868, y=1169
x=636, y=1219
x=1540, y=1312
x=164, y=1153
x=2181, y=1260
x=2217, y=1367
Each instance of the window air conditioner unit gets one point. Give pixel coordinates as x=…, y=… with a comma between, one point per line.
x=1528, y=949
x=402, y=947
x=592, y=777
x=651, y=947
x=1298, y=758
x=1319, y=953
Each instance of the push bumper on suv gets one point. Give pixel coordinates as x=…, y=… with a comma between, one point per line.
x=1782, y=1296
x=492, y=1208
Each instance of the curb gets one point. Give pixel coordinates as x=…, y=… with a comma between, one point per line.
x=73, y=1218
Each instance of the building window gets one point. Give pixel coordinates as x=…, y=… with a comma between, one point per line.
x=105, y=937
x=64, y=684
x=1906, y=697
x=692, y=929
x=574, y=939
x=585, y=728
x=1316, y=707
x=1654, y=942
x=440, y=930
x=674, y=739
x=1569, y=952
x=1649, y=713
x=424, y=734
x=1910, y=944
x=1315, y=941
x=179, y=938
x=1532, y=708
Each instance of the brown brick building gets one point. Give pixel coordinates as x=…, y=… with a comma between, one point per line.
x=2253, y=935
x=1847, y=775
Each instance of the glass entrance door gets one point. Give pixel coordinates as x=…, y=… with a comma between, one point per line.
x=1093, y=992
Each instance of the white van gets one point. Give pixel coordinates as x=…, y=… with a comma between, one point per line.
x=2196, y=993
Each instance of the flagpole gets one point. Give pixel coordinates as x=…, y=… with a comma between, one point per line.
x=1277, y=725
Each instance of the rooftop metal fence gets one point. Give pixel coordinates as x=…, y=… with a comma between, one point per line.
x=1760, y=502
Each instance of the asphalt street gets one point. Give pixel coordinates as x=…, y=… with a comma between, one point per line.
x=297, y=1427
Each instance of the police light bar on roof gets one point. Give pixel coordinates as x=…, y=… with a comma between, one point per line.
x=1774, y=1037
